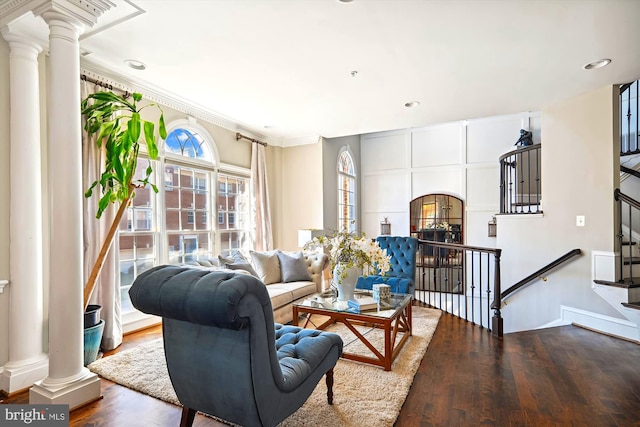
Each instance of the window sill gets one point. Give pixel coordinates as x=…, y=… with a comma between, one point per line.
x=135, y=320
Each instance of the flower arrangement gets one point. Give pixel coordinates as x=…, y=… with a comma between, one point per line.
x=348, y=250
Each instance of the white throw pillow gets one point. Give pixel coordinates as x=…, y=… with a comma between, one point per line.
x=267, y=265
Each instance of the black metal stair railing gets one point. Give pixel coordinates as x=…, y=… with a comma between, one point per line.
x=628, y=211
x=629, y=119
x=461, y=280
x=520, y=181
x=540, y=273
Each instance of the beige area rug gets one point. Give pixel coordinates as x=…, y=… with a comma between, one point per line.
x=361, y=392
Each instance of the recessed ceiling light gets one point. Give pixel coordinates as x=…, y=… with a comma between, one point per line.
x=597, y=64
x=412, y=104
x=345, y=1
x=135, y=64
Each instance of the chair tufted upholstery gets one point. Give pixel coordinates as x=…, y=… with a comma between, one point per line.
x=225, y=355
x=402, y=274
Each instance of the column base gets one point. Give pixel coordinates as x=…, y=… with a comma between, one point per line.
x=20, y=376
x=75, y=393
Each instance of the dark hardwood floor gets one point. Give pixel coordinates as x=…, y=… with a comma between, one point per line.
x=565, y=376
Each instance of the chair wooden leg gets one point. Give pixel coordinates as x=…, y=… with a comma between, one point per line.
x=188, y=415
x=329, y=376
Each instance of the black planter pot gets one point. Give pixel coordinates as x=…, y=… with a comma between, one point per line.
x=92, y=316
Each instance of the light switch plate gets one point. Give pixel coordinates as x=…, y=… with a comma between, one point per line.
x=580, y=220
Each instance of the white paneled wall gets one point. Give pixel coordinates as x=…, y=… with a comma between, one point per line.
x=483, y=187
x=393, y=186
x=488, y=139
x=458, y=158
x=386, y=152
x=446, y=180
x=437, y=145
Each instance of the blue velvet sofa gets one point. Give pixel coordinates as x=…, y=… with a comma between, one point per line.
x=224, y=354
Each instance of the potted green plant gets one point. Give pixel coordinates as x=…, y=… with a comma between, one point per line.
x=119, y=128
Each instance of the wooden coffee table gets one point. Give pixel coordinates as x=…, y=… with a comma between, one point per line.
x=395, y=322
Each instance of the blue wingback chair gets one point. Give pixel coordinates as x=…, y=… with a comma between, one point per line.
x=402, y=275
x=225, y=355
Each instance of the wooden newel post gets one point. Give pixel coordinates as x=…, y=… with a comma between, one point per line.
x=497, y=326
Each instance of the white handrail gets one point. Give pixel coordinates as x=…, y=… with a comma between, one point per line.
x=3, y=283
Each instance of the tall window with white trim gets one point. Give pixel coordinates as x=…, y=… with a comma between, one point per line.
x=188, y=173
x=137, y=237
x=346, y=192
x=234, y=212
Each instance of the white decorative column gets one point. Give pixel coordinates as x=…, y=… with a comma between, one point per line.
x=68, y=382
x=27, y=361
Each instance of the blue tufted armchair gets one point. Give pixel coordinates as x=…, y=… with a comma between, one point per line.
x=224, y=355
x=402, y=275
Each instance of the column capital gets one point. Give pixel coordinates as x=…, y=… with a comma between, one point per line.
x=22, y=27
x=77, y=12
x=20, y=39
x=81, y=12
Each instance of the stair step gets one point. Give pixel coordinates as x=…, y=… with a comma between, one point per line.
x=632, y=260
x=635, y=305
x=626, y=283
x=629, y=153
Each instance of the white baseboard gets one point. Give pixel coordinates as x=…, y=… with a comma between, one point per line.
x=553, y=324
x=598, y=322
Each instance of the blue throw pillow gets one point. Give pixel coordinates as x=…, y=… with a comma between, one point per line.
x=293, y=267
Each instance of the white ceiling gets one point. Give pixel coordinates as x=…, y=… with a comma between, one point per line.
x=287, y=64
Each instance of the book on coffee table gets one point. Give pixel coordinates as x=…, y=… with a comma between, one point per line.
x=365, y=303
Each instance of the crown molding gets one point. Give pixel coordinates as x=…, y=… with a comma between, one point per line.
x=164, y=97
x=25, y=16
x=84, y=12
x=134, y=10
x=12, y=9
x=301, y=140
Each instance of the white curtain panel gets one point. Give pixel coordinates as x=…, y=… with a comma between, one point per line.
x=263, y=233
x=107, y=292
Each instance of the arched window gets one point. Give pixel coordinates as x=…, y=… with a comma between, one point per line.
x=188, y=181
x=177, y=224
x=346, y=191
x=186, y=143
